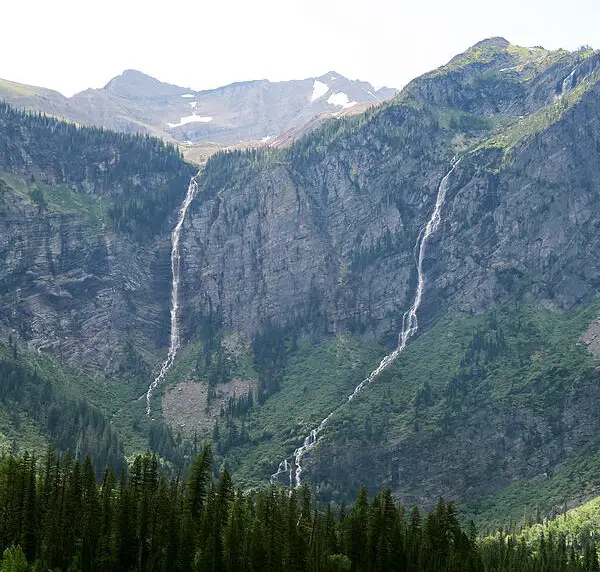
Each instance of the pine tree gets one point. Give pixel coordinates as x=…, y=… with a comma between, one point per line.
x=13, y=560
x=29, y=516
x=90, y=521
x=357, y=533
x=107, y=534
x=126, y=527
x=200, y=474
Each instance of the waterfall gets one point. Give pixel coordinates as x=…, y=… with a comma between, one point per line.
x=175, y=342
x=568, y=83
x=409, y=327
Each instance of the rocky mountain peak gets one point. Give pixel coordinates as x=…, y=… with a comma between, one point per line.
x=332, y=76
x=494, y=77
x=496, y=42
x=134, y=84
x=356, y=90
x=241, y=113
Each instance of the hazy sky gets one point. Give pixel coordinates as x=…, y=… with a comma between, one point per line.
x=69, y=45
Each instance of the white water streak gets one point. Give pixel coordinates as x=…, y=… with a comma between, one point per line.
x=175, y=272
x=409, y=327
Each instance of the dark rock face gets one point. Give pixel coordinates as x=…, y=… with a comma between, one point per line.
x=79, y=290
x=333, y=235
x=328, y=241
x=530, y=224
x=76, y=277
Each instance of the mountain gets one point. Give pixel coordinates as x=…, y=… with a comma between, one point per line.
x=319, y=240
x=77, y=204
x=245, y=111
x=254, y=111
x=39, y=99
x=297, y=265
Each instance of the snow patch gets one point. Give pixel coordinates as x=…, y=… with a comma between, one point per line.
x=267, y=138
x=193, y=103
x=338, y=99
x=191, y=119
x=341, y=99
x=188, y=95
x=319, y=90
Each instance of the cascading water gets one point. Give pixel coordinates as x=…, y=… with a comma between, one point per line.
x=567, y=84
x=175, y=267
x=409, y=326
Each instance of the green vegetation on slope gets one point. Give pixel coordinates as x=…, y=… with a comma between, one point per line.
x=303, y=383
x=144, y=177
x=47, y=399
x=576, y=525
x=44, y=401
x=507, y=394
x=54, y=198
x=475, y=404
x=530, y=125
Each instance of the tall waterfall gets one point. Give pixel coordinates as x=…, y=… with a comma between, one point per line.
x=409, y=327
x=175, y=268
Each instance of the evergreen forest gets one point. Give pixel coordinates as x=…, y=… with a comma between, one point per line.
x=55, y=516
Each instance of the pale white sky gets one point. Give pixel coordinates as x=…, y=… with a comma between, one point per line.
x=69, y=45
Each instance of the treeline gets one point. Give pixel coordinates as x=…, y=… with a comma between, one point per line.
x=228, y=170
x=144, y=177
x=54, y=516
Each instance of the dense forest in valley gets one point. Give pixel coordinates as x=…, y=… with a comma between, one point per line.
x=55, y=516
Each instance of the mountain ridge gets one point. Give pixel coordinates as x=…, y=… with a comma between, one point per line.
x=247, y=113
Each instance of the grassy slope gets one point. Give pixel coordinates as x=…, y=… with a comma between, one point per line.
x=11, y=88
x=59, y=199
x=317, y=378
x=540, y=361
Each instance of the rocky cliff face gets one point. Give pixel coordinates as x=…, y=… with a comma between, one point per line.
x=77, y=278
x=79, y=290
x=324, y=240
x=326, y=231
x=524, y=221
